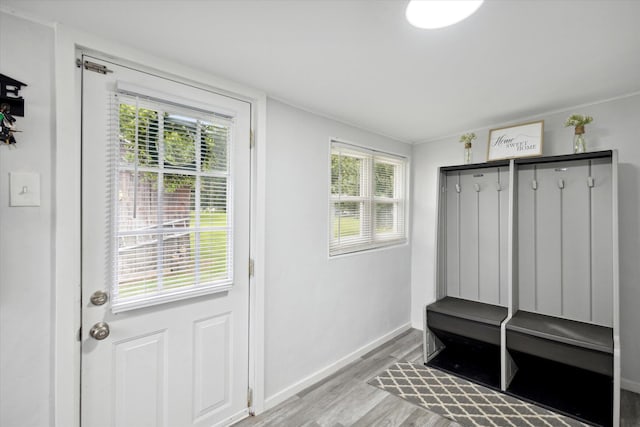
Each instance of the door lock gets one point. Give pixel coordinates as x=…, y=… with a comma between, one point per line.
x=99, y=331
x=99, y=298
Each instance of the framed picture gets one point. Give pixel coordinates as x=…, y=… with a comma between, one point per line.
x=523, y=140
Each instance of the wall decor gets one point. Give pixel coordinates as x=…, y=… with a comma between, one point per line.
x=523, y=140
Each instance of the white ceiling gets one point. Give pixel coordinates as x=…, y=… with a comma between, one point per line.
x=362, y=63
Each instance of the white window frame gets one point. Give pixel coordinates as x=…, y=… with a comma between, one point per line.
x=368, y=238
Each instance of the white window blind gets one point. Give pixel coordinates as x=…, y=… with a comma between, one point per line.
x=367, y=200
x=172, y=208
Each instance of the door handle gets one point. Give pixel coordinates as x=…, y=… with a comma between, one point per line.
x=99, y=331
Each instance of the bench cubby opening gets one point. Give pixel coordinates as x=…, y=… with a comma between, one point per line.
x=579, y=393
x=469, y=335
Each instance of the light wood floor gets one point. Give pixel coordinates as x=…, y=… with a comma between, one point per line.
x=345, y=399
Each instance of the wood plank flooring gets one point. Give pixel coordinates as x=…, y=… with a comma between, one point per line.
x=629, y=409
x=345, y=399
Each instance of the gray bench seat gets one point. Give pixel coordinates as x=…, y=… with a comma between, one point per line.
x=469, y=319
x=578, y=344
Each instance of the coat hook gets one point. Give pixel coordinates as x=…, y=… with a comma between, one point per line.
x=534, y=185
x=591, y=182
x=561, y=184
x=458, y=188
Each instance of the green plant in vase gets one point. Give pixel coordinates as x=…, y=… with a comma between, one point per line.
x=578, y=121
x=467, y=139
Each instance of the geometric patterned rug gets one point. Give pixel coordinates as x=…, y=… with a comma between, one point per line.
x=462, y=401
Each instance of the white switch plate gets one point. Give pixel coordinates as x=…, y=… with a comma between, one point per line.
x=24, y=189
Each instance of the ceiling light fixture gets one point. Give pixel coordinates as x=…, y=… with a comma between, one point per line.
x=432, y=14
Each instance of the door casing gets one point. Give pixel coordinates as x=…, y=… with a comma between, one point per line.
x=70, y=45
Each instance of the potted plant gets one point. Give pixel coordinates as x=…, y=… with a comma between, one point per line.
x=467, y=139
x=578, y=121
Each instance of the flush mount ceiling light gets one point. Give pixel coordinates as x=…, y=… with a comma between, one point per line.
x=439, y=13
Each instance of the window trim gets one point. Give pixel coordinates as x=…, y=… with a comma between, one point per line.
x=376, y=241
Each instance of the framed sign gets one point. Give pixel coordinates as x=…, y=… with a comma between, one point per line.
x=523, y=140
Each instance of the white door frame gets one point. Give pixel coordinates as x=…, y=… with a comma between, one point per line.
x=67, y=231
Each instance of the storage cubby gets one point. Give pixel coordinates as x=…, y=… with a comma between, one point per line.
x=526, y=295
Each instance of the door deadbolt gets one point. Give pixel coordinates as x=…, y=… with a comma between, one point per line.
x=99, y=331
x=99, y=298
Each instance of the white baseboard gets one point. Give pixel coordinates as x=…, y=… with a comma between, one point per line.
x=629, y=385
x=295, y=388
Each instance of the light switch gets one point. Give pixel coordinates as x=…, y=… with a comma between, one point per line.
x=24, y=189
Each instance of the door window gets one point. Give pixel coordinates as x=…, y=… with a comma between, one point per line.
x=172, y=210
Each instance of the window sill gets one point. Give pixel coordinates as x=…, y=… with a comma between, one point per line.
x=381, y=246
x=171, y=296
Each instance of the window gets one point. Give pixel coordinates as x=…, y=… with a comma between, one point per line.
x=367, y=201
x=172, y=206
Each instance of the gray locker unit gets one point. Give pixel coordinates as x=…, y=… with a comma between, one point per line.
x=472, y=277
x=561, y=337
x=527, y=260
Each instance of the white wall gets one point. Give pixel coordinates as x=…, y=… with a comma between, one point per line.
x=26, y=235
x=616, y=125
x=319, y=310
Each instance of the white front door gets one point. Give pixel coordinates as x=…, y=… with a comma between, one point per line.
x=165, y=238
